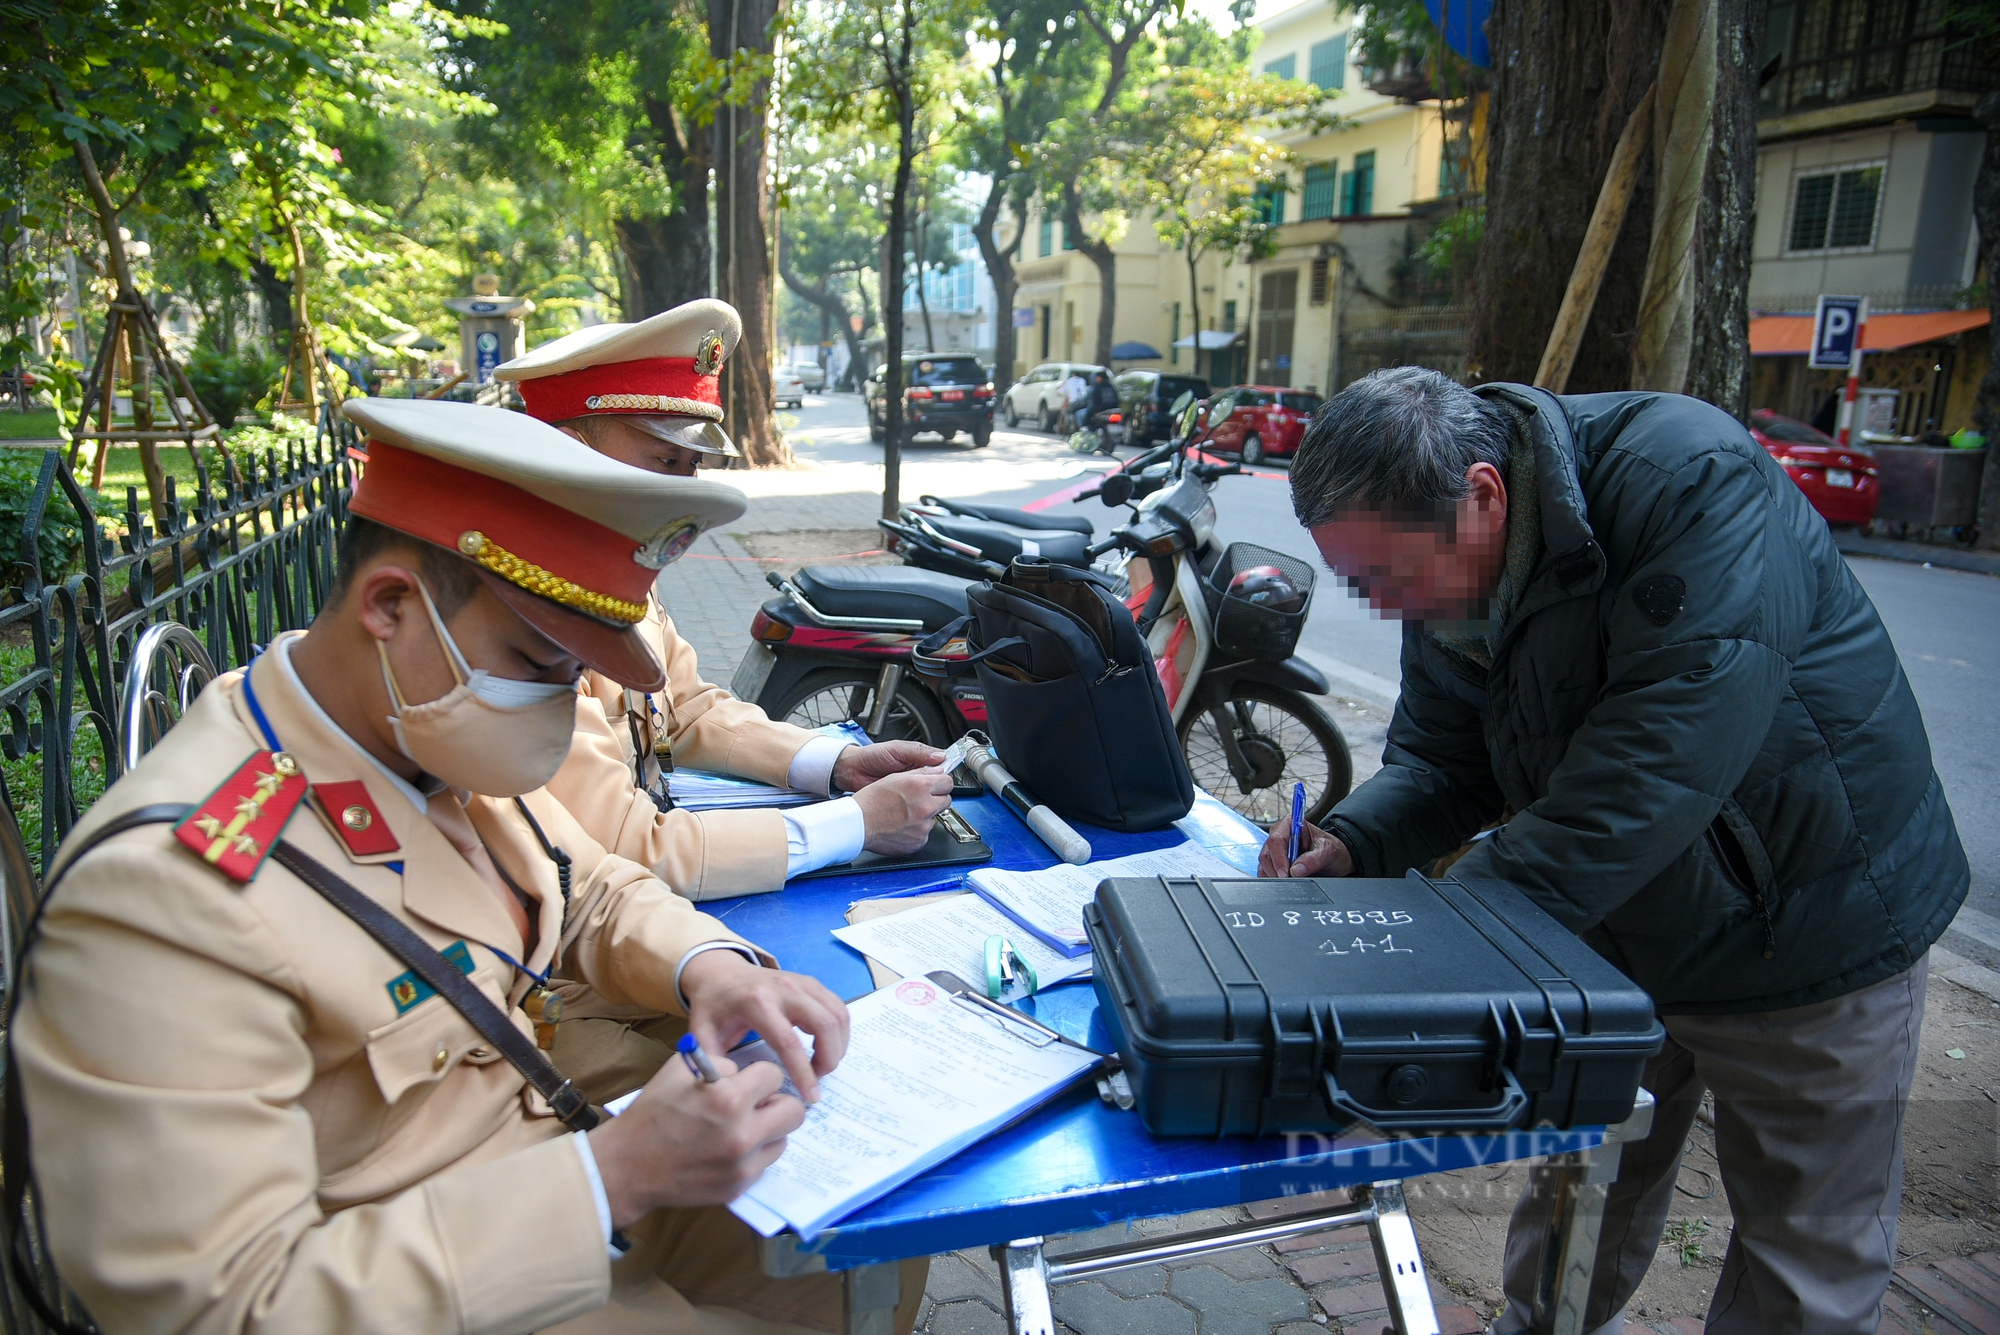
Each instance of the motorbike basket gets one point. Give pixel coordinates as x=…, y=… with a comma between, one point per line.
x=1245, y=628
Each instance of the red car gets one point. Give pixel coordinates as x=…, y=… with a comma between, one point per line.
x=1258, y=421
x=1840, y=481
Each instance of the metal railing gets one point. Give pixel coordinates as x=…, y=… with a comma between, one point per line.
x=244, y=559
x=1838, y=52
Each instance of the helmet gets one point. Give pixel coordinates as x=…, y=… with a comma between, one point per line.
x=1267, y=586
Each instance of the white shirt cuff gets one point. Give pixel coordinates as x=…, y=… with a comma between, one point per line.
x=703, y=948
x=812, y=767
x=823, y=834
x=584, y=1152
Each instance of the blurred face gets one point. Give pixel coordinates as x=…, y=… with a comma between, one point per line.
x=1424, y=568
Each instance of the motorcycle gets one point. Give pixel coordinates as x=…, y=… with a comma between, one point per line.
x=1220, y=622
x=1099, y=436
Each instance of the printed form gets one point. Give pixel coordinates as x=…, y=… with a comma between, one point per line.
x=951, y=934
x=925, y=1076
x=1050, y=902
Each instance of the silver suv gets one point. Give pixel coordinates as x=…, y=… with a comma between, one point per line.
x=1037, y=396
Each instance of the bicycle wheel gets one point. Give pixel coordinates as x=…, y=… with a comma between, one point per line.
x=1282, y=737
x=835, y=695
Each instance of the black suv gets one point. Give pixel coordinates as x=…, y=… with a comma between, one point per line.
x=942, y=392
x=1147, y=397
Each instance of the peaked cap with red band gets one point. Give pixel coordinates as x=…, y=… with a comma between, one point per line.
x=670, y=364
x=571, y=540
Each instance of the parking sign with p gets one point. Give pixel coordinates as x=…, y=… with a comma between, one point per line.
x=1836, y=326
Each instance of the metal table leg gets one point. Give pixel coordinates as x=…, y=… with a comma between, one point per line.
x=1400, y=1262
x=1577, y=1184
x=1026, y=1274
x=869, y=1293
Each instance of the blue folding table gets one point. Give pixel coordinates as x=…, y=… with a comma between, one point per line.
x=1080, y=1163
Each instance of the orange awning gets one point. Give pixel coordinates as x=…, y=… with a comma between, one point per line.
x=1791, y=335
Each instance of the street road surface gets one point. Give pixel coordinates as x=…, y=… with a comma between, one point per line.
x=1945, y=623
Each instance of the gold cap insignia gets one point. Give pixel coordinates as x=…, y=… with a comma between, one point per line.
x=708, y=354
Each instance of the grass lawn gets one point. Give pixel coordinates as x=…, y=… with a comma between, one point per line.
x=17, y=425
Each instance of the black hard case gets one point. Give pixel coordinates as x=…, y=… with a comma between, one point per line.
x=1252, y=1007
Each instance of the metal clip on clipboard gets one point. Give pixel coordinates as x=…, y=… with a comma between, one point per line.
x=1112, y=1085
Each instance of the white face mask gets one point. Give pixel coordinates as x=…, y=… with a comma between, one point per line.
x=490, y=735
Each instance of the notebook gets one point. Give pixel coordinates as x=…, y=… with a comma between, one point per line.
x=705, y=790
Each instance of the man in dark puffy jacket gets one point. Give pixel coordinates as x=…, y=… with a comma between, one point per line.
x=1632, y=650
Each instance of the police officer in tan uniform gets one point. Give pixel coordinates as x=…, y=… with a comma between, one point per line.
x=646, y=394
x=247, y=1113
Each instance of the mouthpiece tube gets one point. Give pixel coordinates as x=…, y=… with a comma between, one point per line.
x=1052, y=829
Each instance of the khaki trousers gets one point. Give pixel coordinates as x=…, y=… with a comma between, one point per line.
x=1809, y=1111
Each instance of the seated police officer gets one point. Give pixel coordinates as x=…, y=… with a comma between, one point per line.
x=247, y=1112
x=646, y=394
x=1632, y=647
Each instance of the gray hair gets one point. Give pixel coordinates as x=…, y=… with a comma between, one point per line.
x=1401, y=438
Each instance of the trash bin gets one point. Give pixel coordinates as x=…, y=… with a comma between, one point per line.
x=1926, y=488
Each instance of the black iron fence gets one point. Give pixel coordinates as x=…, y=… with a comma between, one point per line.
x=245, y=558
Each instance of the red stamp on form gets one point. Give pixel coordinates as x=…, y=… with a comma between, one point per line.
x=915, y=992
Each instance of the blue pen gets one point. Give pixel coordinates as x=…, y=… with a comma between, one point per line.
x=697, y=1060
x=1298, y=819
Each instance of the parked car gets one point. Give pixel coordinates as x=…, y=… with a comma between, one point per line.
x=1260, y=421
x=1146, y=396
x=811, y=374
x=944, y=393
x=1840, y=481
x=787, y=390
x=1037, y=396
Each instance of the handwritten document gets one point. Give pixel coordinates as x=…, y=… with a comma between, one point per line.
x=924, y=1077
x=1050, y=902
x=951, y=934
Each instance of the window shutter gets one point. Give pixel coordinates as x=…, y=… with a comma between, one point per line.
x=1328, y=63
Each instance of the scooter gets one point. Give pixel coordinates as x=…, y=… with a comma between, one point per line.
x=836, y=643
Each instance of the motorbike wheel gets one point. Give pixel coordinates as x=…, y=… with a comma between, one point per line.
x=835, y=695
x=1253, y=449
x=1284, y=738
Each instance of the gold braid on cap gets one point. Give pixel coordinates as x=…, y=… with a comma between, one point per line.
x=652, y=403
x=547, y=583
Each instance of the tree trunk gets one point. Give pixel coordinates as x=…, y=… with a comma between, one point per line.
x=1000, y=268
x=277, y=297
x=1100, y=254
x=901, y=72
x=667, y=256
x=1719, y=356
x=1986, y=415
x=1566, y=76
x=742, y=239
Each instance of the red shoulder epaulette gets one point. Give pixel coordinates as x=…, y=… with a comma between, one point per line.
x=235, y=829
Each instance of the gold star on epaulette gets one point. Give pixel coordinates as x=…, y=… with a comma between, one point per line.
x=209, y=826
x=268, y=784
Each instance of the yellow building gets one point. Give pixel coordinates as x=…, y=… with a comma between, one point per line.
x=1059, y=287
x=1345, y=292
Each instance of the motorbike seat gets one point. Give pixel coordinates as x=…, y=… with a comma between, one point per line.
x=1002, y=542
x=1001, y=514
x=900, y=592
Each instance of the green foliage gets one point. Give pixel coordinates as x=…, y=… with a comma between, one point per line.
x=1451, y=250
x=227, y=382
x=60, y=542
x=1685, y=1237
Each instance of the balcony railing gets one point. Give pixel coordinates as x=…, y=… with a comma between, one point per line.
x=1837, y=52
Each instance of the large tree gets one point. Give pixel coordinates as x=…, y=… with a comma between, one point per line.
x=1567, y=76
x=615, y=95
x=740, y=36
x=882, y=66
x=833, y=233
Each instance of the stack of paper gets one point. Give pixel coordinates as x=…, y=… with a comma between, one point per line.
x=703, y=790
x=1050, y=902
x=924, y=1077
x=951, y=934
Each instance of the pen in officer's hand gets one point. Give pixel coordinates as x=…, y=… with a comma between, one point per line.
x=697, y=1060
x=1298, y=819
